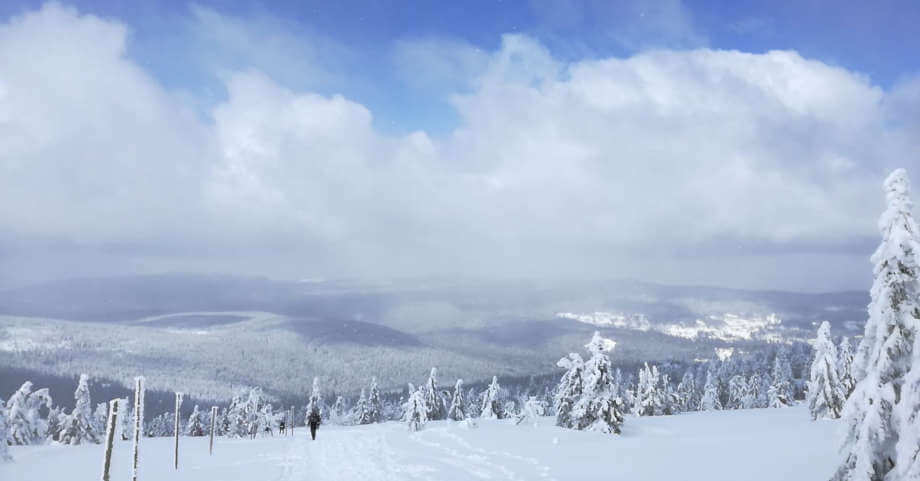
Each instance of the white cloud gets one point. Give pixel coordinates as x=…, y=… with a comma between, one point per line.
x=595, y=168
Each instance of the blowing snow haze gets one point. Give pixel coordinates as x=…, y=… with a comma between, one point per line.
x=646, y=140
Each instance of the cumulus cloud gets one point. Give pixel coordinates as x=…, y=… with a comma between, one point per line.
x=689, y=166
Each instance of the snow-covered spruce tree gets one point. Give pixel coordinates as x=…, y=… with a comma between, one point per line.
x=25, y=421
x=687, y=392
x=124, y=419
x=598, y=408
x=100, y=416
x=340, y=413
x=416, y=414
x=359, y=414
x=374, y=406
x=825, y=394
x=737, y=392
x=491, y=402
x=531, y=412
x=569, y=390
x=235, y=419
x=780, y=393
x=457, y=411
x=845, y=366
x=315, y=405
x=55, y=424
x=649, y=398
x=880, y=414
x=5, y=437
x=710, y=400
x=436, y=410
x=77, y=427
x=195, y=426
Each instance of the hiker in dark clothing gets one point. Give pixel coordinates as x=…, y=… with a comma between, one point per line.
x=314, y=422
x=281, y=428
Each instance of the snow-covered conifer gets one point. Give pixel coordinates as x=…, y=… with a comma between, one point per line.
x=569, y=390
x=737, y=392
x=780, y=393
x=315, y=405
x=25, y=422
x=845, y=366
x=55, y=424
x=599, y=408
x=491, y=402
x=433, y=400
x=648, y=397
x=687, y=392
x=457, y=411
x=710, y=400
x=195, y=425
x=374, y=406
x=5, y=437
x=825, y=395
x=100, y=418
x=416, y=414
x=531, y=412
x=880, y=414
x=359, y=414
x=78, y=425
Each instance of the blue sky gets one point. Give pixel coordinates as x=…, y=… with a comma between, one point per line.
x=877, y=39
x=731, y=143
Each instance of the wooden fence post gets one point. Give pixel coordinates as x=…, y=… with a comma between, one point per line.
x=138, y=420
x=109, y=438
x=178, y=404
x=213, y=425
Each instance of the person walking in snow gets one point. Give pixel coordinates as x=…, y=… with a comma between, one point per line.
x=314, y=422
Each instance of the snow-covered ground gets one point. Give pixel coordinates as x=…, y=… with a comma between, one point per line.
x=761, y=444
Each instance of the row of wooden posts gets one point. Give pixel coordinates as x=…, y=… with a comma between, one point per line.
x=139, y=416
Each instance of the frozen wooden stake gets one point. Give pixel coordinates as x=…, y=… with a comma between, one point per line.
x=176, y=430
x=213, y=425
x=109, y=438
x=138, y=420
x=292, y=420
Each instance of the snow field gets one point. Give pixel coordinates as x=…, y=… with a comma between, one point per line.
x=756, y=444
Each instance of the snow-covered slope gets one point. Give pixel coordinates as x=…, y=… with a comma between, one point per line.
x=763, y=444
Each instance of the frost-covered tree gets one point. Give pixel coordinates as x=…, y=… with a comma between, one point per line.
x=457, y=411
x=687, y=392
x=531, y=411
x=315, y=405
x=5, y=437
x=235, y=419
x=195, y=425
x=55, y=424
x=359, y=414
x=374, y=413
x=77, y=427
x=339, y=412
x=758, y=391
x=598, y=408
x=710, y=400
x=649, y=400
x=880, y=414
x=845, y=366
x=825, y=395
x=416, y=413
x=124, y=419
x=780, y=393
x=25, y=421
x=160, y=426
x=491, y=402
x=433, y=400
x=569, y=390
x=737, y=392
x=100, y=417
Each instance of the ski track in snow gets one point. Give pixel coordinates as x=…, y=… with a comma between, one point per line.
x=358, y=454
